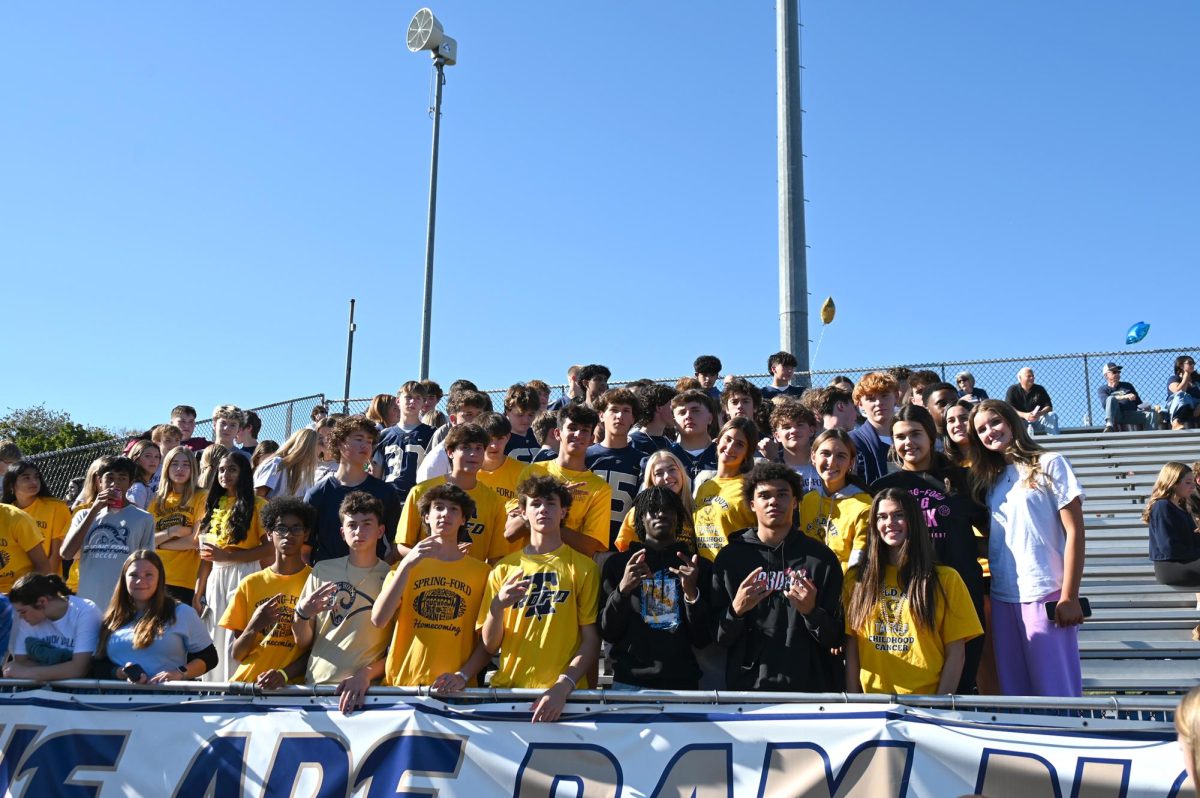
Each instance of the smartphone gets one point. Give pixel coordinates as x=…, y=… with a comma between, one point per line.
x=1083, y=602
x=134, y=672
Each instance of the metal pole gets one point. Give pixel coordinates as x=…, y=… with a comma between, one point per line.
x=1087, y=389
x=349, y=360
x=793, y=276
x=427, y=308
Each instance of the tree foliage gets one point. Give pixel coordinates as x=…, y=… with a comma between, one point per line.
x=36, y=430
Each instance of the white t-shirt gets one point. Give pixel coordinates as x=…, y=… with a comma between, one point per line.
x=53, y=642
x=271, y=475
x=1027, y=543
x=435, y=464
x=139, y=495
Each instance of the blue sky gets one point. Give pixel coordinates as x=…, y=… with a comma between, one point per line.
x=192, y=192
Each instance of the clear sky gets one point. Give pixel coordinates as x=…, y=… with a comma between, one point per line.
x=190, y=193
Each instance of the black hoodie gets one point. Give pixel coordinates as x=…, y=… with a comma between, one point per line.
x=772, y=647
x=658, y=659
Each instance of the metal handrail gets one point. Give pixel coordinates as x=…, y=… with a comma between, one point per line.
x=497, y=695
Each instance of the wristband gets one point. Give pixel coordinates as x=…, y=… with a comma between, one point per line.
x=462, y=676
x=574, y=684
x=301, y=615
x=282, y=675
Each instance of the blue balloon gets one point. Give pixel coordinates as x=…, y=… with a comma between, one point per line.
x=1137, y=332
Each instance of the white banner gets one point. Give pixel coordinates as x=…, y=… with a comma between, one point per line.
x=63, y=744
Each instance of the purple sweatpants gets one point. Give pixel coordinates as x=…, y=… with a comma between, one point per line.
x=1033, y=656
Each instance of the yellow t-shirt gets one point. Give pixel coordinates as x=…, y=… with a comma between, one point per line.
x=346, y=640
x=18, y=535
x=486, y=527
x=181, y=565
x=52, y=517
x=277, y=648
x=504, y=479
x=895, y=654
x=542, y=631
x=628, y=533
x=435, y=625
x=591, y=501
x=841, y=522
x=219, y=525
x=721, y=510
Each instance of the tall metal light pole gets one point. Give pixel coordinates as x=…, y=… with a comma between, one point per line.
x=349, y=360
x=793, y=267
x=425, y=33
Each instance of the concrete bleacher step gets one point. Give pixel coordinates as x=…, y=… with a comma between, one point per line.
x=1097, y=439
x=1103, y=601
x=1127, y=675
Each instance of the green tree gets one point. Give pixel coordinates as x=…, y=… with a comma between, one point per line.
x=36, y=430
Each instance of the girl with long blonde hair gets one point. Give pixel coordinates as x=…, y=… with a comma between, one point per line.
x=291, y=470
x=662, y=469
x=178, y=508
x=1174, y=538
x=1035, y=553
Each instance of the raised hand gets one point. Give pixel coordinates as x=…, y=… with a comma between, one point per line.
x=635, y=571
x=689, y=575
x=750, y=592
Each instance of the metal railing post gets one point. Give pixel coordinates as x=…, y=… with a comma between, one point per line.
x=287, y=424
x=1087, y=387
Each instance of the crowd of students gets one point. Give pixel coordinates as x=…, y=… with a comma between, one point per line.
x=886, y=536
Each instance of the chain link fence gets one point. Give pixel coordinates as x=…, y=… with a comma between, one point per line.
x=60, y=467
x=1072, y=380
x=279, y=421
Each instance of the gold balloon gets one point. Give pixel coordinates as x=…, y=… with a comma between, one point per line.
x=828, y=310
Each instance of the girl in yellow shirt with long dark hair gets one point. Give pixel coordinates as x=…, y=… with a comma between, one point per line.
x=907, y=618
x=25, y=488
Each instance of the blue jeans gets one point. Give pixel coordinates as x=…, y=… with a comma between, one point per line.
x=1046, y=425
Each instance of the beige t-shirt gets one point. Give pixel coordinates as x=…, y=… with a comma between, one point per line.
x=346, y=640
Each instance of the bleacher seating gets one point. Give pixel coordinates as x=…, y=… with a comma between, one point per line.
x=1139, y=638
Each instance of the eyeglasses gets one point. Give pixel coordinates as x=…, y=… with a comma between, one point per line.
x=288, y=531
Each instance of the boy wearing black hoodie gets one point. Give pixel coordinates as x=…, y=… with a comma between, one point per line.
x=777, y=595
x=654, y=600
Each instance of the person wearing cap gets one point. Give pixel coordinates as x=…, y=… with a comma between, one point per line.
x=1032, y=403
x=965, y=381
x=1120, y=401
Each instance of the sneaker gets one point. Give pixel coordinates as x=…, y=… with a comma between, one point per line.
x=1109, y=428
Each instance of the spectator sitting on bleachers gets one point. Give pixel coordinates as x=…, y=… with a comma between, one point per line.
x=965, y=381
x=1032, y=403
x=1121, y=401
x=1183, y=394
x=1174, y=539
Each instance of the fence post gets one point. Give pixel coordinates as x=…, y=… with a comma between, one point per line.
x=288, y=421
x=1087, y=387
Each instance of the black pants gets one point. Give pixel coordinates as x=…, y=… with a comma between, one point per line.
x=1181, y=575
x=181, y=594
